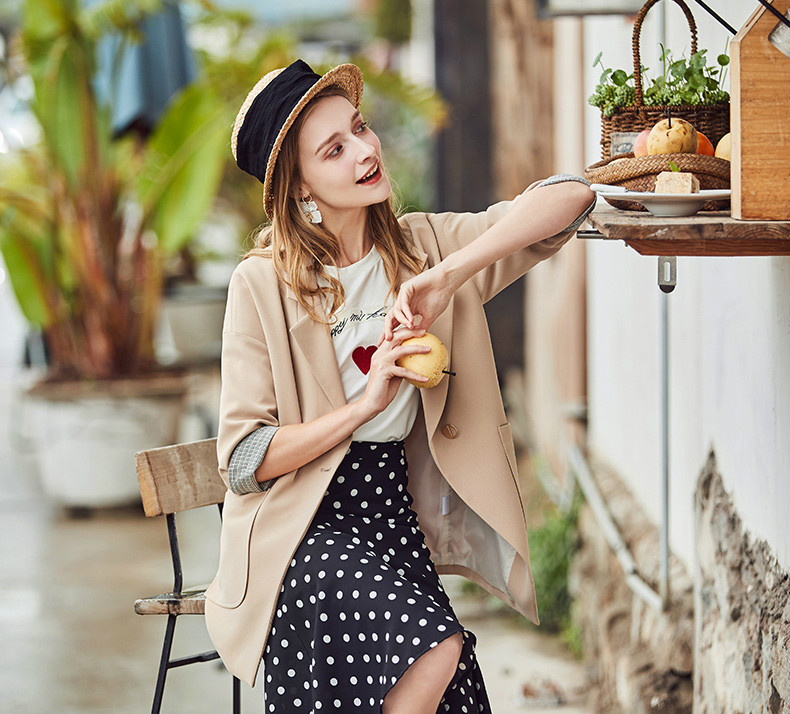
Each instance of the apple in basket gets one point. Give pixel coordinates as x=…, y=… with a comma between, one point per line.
x=673, y=136
x=640, y=143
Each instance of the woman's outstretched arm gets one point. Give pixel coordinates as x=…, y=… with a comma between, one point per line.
x=540, y=212
x=536, y=214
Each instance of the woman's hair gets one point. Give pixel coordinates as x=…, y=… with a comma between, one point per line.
x=300, y=249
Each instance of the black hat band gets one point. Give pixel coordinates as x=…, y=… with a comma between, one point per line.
x=268, y=113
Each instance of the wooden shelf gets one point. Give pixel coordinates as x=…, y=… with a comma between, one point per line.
x=710, y=233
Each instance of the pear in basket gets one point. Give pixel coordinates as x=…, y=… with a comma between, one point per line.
x=673, y=136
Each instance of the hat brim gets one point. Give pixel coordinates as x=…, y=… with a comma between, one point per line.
x=345, y=76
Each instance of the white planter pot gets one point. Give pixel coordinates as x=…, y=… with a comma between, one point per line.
x=86, y=446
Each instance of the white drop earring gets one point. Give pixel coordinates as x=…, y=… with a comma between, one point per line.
x=310, y=209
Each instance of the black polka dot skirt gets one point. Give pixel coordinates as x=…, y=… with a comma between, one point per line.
x=361, y=600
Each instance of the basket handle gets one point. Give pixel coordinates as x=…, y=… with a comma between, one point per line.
x=639, y=101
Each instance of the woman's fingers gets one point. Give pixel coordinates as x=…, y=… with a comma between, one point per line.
x=409, y=374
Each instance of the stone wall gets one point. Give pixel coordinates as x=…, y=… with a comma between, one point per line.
x=723, y=644
x=643, y=659
x=742, y=602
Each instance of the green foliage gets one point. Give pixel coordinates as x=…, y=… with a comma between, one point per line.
x=86, y=222
x=551, y=549
x=689, y=82
x=393, y=20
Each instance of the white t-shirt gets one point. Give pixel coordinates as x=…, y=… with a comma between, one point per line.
x=355, y=331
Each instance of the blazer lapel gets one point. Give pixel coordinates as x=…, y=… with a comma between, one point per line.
x=315, y=343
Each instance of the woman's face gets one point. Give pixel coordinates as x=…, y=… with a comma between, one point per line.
x=340, y=158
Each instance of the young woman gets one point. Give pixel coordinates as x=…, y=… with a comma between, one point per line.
x=349, y=488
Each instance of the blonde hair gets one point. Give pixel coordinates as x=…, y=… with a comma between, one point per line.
x=300, y=249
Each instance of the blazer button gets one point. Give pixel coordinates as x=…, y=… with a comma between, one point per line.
x=450, y=431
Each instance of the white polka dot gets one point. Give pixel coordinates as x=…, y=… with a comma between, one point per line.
x=415, y=641
x=327, y=639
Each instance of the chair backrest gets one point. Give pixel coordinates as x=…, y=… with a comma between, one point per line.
x=177, y=478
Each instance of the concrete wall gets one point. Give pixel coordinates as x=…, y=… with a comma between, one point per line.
x=729, y=336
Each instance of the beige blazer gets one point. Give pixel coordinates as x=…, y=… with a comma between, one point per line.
x=279, y=367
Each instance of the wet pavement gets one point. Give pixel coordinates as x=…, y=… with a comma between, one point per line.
x=71, y=641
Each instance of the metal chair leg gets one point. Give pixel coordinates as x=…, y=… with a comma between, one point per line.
x=236, y=696
x=163, y=662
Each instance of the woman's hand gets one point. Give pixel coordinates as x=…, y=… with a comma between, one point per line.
x=419, y=302
x=385, y=376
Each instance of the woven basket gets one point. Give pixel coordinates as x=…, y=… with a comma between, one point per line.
x=639, y=174
x=712, y=120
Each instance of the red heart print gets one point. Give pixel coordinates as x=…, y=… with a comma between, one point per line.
x=362, y=356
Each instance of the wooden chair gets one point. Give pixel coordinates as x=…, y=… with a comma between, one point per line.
x=174, y=479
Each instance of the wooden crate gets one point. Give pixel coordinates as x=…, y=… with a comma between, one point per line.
x=760, y=120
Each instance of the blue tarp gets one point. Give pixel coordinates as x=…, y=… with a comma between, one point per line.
x=140, y=86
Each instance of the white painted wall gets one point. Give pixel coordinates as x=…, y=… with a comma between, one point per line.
x=729, y=337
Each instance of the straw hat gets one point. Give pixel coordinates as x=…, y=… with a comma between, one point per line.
x=270, y=110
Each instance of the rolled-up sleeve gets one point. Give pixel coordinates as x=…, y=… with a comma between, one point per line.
x=245, y=460
x=248, y=409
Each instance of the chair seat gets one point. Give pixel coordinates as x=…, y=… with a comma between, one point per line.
x=191, y=601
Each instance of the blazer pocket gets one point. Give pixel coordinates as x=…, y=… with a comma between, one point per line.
x=229, y=586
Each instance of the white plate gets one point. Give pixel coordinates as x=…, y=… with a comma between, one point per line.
x=668, y=204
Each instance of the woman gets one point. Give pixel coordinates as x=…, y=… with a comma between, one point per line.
x=349, y=489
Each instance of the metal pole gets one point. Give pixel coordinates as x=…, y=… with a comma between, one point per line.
x=663, y=583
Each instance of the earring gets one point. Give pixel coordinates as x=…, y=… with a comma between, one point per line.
x=310, y=209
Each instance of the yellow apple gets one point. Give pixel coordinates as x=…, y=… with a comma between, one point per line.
x=428, y=364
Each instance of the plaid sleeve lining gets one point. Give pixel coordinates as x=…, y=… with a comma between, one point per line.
x=245, y=460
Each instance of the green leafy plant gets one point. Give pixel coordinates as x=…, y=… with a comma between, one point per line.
x=689, y=82
x=87, y=221
x=551, y=549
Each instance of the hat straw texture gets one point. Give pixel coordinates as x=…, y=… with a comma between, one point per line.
x=261, y=126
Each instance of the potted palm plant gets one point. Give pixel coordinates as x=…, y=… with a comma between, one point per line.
x=87, y=223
